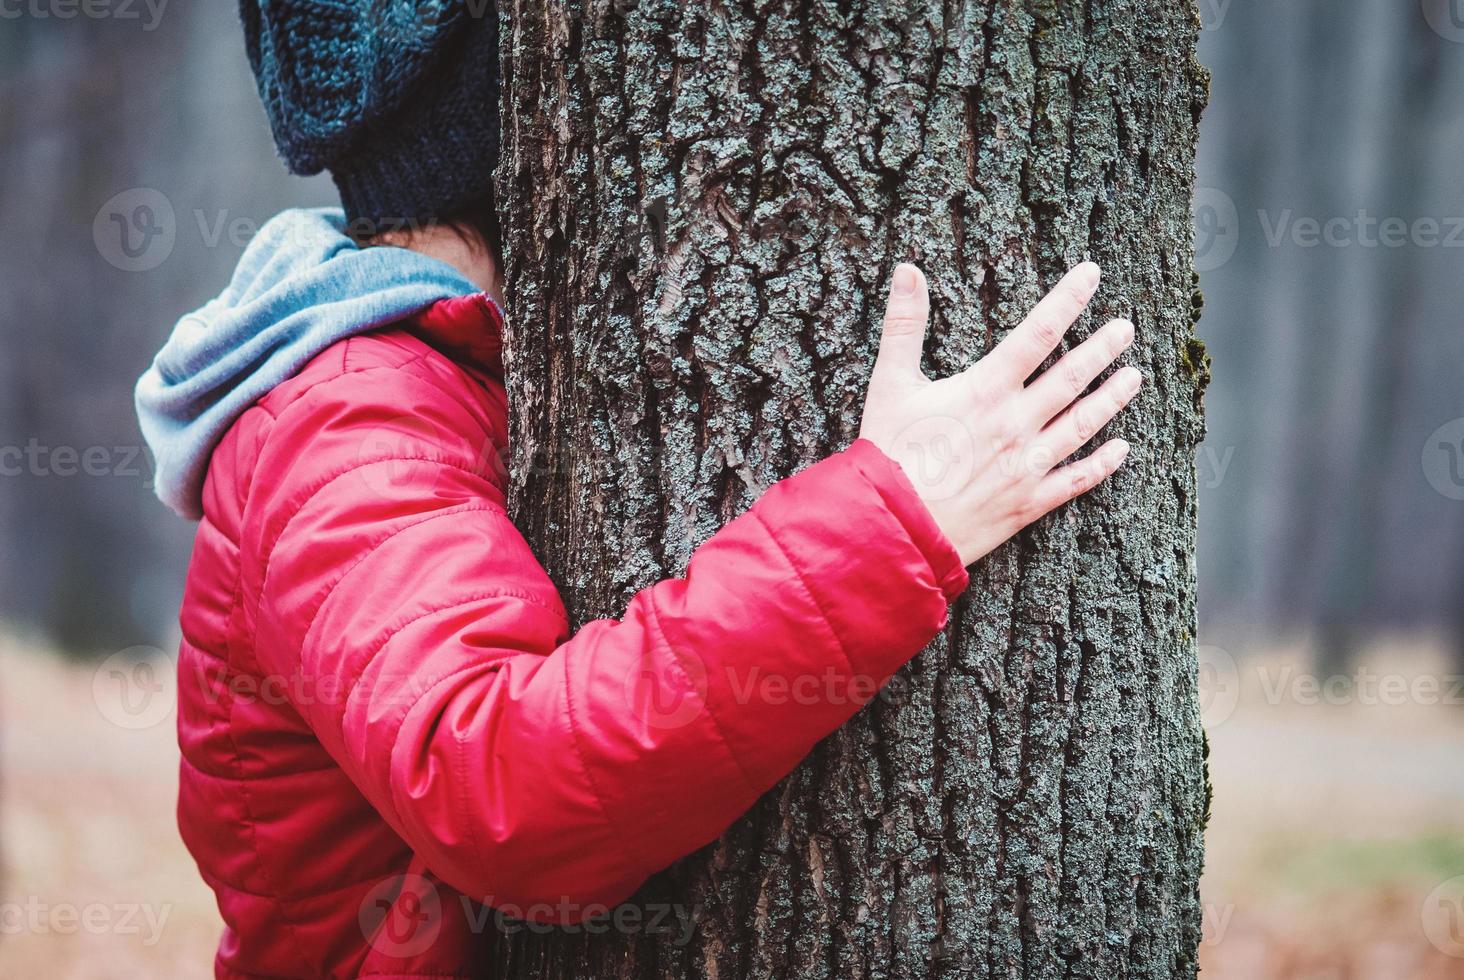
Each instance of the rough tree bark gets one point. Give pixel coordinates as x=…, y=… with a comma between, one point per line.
x=704, y=201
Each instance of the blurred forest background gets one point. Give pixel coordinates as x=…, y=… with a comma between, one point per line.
x=135, y=163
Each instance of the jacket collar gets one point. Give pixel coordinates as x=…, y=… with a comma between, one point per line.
x=469, y=326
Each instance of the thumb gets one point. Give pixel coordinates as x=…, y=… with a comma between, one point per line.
x=906, y=316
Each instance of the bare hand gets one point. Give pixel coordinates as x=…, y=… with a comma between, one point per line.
x=982, y=446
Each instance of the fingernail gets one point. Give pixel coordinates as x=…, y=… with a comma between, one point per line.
x=1125, y=332
x=906, y=279
x=1120, y=450
x=1133, y=377
x=1089, y=274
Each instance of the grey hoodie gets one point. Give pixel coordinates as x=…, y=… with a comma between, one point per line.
x=301, y=286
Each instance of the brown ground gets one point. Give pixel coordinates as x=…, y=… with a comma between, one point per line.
x=1333, y=824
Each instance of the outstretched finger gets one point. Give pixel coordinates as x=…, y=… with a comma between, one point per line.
x=1082, y=421
x=1025, y=348
x=1076, y=479
x=903, y=336
x=1056, y=388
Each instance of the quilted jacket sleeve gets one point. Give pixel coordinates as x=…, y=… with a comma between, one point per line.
x=539, y=772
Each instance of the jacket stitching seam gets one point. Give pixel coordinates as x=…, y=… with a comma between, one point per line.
x=344, y=372
x=235, y=605
x=340, y=374
x=468, y=508
x=423, y=614
x=250, y=820
x=274, y=776
x=211, y=879
x=706, y=698
x=465, y=811
x=478, y=857
x=342, y=474
x=803, y=582
x=579, y=752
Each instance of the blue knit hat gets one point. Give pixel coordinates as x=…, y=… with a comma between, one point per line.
x=398, y=99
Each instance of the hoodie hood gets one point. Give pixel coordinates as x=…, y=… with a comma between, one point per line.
x=301, y=286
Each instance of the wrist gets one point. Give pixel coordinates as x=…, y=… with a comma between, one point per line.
x=914, y=513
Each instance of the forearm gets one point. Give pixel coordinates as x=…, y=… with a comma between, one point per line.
x=530, y=772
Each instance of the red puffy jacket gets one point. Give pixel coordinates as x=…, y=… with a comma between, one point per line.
x=386, y=725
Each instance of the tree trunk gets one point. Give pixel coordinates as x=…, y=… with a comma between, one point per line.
x=703, y=204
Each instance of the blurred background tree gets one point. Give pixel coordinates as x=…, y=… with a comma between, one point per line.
x=164, y=114
x=1336, y=359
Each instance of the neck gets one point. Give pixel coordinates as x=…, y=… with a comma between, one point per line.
x=474, y=259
